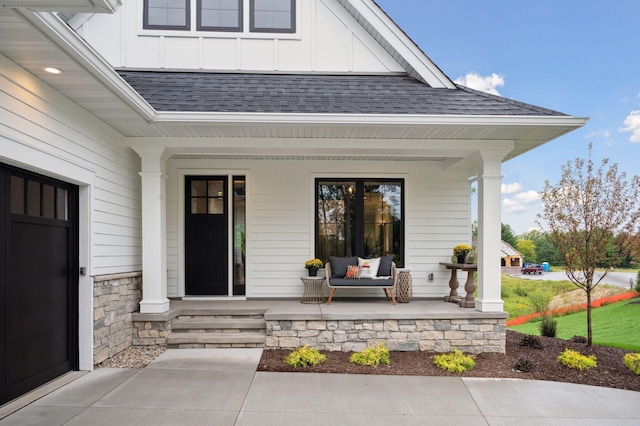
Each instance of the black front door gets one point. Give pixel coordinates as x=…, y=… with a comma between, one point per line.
x=38, y=280
x=206, y=236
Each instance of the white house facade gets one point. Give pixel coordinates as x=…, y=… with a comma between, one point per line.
x=211, y=147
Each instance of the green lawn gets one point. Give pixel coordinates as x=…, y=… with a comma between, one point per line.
x=616, y=325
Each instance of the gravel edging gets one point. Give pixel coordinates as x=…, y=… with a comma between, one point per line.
x=133, y=357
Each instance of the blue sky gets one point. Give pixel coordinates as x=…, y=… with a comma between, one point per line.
x=578, y=57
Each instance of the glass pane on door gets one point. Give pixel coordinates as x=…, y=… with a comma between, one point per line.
x=239, y=236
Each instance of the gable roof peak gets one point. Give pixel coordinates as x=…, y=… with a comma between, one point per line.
x=397, y=43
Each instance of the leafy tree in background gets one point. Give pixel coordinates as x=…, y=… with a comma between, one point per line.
x=546, y=250
x=584, y=210
x=507, y=235
x=528, y=250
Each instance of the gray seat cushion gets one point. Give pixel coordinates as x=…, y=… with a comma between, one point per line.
x=362, y=282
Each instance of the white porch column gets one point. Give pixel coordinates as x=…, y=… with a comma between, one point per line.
x=154, y=230
x=489, y=231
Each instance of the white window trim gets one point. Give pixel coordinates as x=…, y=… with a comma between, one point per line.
x=244, y=34
x=181, y=175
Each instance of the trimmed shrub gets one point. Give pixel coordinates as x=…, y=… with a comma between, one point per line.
x=525, y=364
x=372, y=356
x=531, y=341
x=578, y=339
x=454, y=361
x=548, y=326
x=576, y=360
x=632, y=361
x=305, y=356
x=637, y=287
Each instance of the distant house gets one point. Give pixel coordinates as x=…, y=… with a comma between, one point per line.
x=213, y=147
x=509, y=256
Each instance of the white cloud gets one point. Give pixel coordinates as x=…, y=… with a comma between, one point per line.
x=527, y=197
x=632, y=123
x=512, y=206
x=510, y=188
x=486, y=84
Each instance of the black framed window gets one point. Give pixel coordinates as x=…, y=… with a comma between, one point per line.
x=219, y=15
x=207, y=197
x=167, y=14
x=273, y=16
x=360, y=217
x=32, y=197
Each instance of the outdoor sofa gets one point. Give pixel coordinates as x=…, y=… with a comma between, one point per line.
x=338, y=268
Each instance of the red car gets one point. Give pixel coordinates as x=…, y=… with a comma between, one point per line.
x=531, y=269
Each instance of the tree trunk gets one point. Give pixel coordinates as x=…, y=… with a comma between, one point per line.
x=589, y=337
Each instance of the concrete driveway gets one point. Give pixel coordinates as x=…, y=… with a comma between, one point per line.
x=620, y=279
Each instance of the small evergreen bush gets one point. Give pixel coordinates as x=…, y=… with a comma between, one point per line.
x=637, y=287
x=632, y=361
x=576, y=360
x=305, y=356
x=525, y=364
x=531, y=341
x=548, y=326
x=372, y=356
x=578, y=339
x=454, y=361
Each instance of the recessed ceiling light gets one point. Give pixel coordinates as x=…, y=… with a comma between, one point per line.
x=53, y=70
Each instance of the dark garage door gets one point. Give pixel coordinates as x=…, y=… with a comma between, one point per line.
x=38, y=280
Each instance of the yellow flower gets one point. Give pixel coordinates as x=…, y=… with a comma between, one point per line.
x=313, y=264
x=461, y=249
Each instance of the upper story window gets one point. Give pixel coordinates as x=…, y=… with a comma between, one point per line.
x=219, y=15
x=273, y=16
x=260, y=16
x=167, y=14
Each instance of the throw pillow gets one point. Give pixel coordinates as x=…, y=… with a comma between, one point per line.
x=385, y=266
x=368, y=267
x=353, y=272
x=339, y=265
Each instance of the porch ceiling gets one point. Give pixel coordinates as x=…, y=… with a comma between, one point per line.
x=36, y=40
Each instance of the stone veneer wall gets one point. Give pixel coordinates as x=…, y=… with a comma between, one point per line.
x=151, y=332
x=438, y=335
x=115, y=298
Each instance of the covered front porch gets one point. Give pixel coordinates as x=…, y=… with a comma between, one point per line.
x=345, y=325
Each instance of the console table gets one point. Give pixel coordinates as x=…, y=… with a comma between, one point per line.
x=467, y=301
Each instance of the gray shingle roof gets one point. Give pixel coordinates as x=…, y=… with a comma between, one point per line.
x=319, y=94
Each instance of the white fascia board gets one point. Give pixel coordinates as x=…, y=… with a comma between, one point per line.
x=97, y=6
x=367, y=119
x=52, y=28
x=405, y=47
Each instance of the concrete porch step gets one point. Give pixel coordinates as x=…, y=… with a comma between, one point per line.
x=242, y=338
x=219, y=324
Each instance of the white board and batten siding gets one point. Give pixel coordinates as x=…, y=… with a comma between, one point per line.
x=281, y=213
x=327, y=40
x=44, y=132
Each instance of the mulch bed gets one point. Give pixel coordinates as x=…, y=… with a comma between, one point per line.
x=610, y=372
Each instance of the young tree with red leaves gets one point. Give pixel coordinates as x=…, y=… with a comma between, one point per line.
x=584, y=211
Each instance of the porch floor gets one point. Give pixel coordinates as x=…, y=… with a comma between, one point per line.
x=340, y=309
